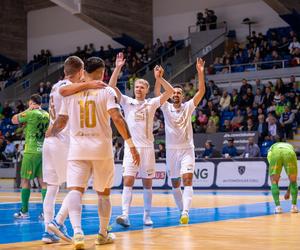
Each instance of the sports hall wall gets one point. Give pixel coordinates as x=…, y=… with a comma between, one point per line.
x=59, y=31
x=174, y=16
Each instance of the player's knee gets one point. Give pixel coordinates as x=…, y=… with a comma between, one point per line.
x=25, y=183
x=106, y=192
x=147, y=183
x=80, y=189
x=128, y=181
x=187, y=182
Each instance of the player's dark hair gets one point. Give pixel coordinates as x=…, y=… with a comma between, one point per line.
x=36, y=98
x=94, y=63
x=72, y=65
x=178, y=86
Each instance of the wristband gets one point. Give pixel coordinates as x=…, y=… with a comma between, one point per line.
x=130, y=143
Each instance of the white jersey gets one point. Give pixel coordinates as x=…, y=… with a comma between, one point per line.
x=139, y=116
x=55, y=104
x=178, y=125
x=89, y=122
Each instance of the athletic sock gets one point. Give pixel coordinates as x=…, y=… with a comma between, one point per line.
x=25, y=195
x=126, y=200
x=275, y=194
x=48, y=205
x=294, y=192
x=187, y=198
x=74, y=200
x=43, y=191
x=62, y=214
x=147, y=200
x=177, y=194
x=104, y=212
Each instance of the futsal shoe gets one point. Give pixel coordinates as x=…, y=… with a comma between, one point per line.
x=102, y=240
x=294, y=209
x=78, y=241
x=59, y=230
x=21, y=215
x=123, y=220
x=184, y=219
x=49, y=238
x=278, y=210
x=147, y=220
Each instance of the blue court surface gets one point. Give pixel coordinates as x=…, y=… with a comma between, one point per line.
x=13, y=230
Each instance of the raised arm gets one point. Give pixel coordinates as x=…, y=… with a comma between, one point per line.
x=158, y=74
x=123, y=129
x=120, y=61
x=81, y=86
x=201, y=82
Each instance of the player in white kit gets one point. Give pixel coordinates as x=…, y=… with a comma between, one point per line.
x=90, y=151
x=55, y=149
x=139, y=114
x=180, y=154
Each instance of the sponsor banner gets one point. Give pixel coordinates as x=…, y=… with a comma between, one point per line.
x=284, y=179
x=203, y=175
x=117, y=178
x=159, y=179
x=241, y=174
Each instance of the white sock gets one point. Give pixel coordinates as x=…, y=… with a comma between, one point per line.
x=187, y=198
x=104, y=212
x=147, y=200
x=126, y=200
x=177, y=194
x=74, y=200
x=48, y=205
x=63, y=211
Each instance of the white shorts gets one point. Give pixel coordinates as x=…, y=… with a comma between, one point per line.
x=180, y=161
x=55, y=154
x=79, y=172
x=146, y=169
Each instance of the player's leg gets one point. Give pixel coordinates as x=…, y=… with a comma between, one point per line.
x=147, y=194
x=103, y=172
x=275, y=168
x=173, y=169
x=187, y=172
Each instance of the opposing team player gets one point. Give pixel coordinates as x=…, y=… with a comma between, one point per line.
x=36, y=121
x=283, y=154
x=90, y=151
x=55, y=149
x=139, y=114
x=180, y=154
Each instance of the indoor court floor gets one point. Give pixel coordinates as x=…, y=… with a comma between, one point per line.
x=226, y=219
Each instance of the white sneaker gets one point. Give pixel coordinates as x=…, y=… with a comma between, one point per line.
x=101, y=240
x=278, y=210
x=123, y=221
x=78, y=241
x=147, y=220
x=294, y=209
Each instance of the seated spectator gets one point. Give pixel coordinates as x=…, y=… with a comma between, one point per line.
x=10, y=150
x=235, y=100
x=280, y=106
x=7, y=110
x=237, y=120
x=215, y=98
x=268, y=98
x=202, y=120
x=259, y=85
x=294, y=45
x=226, y=126
x=211, y=127
x=286, y=121
x=258, y=99
x=229, y=150
x=250, y=126
x=225, y=101
x=161, y=154
x=273, y=127
x=262, y=128
x=210, y=151
x=251, y=149
x=244, y=88
x=215, y=118
x=210, y=88
x=265, y=146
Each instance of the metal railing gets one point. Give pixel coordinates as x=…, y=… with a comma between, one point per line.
x=197, y=28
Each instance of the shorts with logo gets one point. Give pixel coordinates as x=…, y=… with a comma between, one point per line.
x=280, y=157
x=180, y=161
x=80, y=171
x=31, y=166
x=55, y=154
x=146, y=169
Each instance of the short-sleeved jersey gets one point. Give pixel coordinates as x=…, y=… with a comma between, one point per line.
x=139, y=116
x=55, y=106
x=36, y=123
x=178, y=125
x=279, y=145
x=89, y=123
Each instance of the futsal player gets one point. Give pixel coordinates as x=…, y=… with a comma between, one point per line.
x=90, y=150
x=180, y=152
x=282, y=154
x=139, y=114
x=36, y=121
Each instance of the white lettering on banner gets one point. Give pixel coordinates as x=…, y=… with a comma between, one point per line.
x=159, y=179
x=284, y=179
x=241, y=174
x=117, y=177
x=203, y=175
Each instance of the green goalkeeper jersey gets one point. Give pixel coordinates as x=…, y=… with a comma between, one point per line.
x=36, y=123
